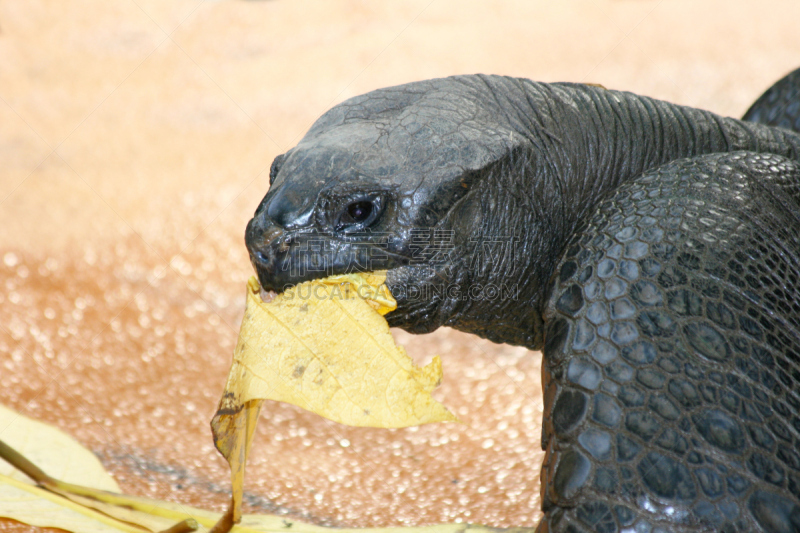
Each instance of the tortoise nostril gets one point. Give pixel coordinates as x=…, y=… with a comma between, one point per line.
x=262, y=236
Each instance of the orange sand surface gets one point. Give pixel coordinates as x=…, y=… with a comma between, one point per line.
x=135, y=142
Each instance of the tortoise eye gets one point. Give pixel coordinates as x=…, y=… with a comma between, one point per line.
x=359, y=214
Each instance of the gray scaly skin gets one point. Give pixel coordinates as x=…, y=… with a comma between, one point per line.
x=651, y=250
x=780, y=105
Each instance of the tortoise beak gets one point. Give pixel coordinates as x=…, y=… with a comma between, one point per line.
x=264, y=243
x=276, y=238
x=283, y=257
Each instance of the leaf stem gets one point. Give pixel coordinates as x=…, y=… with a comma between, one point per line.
x=21, y=463
x=64, y=489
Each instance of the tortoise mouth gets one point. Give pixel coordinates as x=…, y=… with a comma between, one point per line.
x=284, y=258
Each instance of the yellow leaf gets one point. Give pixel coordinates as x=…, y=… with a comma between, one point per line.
x=59, y=454
x=322, y=346
x=37, y=440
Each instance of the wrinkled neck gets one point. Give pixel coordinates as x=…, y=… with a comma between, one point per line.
x=581, y=144
x=598, y=139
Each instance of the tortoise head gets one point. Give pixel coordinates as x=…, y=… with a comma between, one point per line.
x=413, y=180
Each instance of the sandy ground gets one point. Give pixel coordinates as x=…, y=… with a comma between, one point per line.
x=135, y=140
